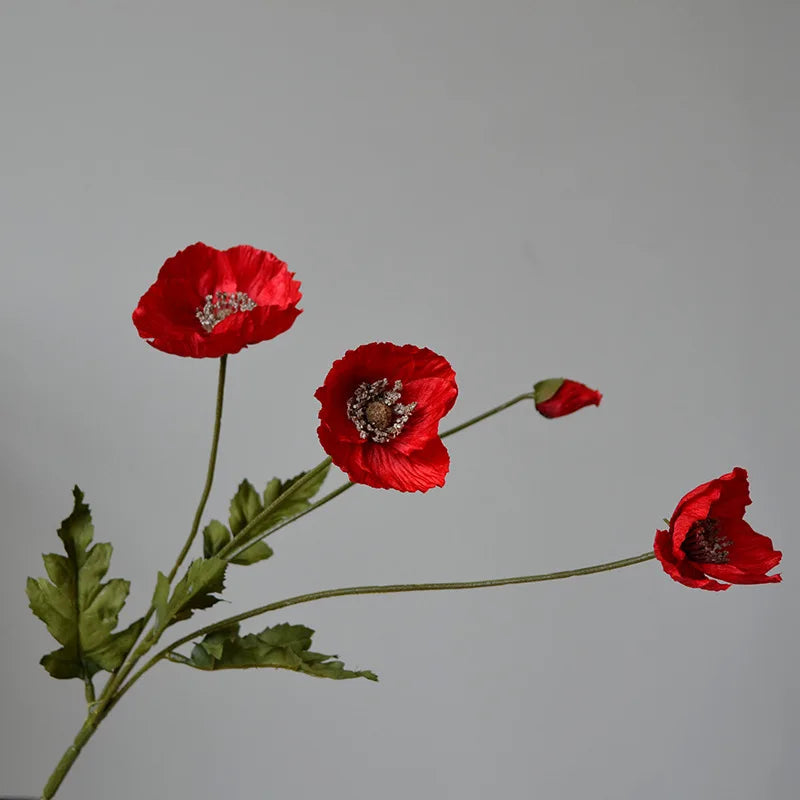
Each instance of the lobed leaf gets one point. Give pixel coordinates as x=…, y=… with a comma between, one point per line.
x=204, y=579
x=280, y=647
x=216, y=536
x=247, y=508
x=79, y=610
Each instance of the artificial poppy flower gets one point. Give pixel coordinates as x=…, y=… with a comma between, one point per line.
x=708, y=538
x=556, y=397
x=379, y=420
x=207, y=303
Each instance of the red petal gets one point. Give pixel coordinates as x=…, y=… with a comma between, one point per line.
x=734, y=495
x=682, y=570
x=733, y=574
x=166, y=313
x=415, y=460
x=570, y=397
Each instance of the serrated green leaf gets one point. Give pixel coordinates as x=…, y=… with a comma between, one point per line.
x=161, y=599
x=245, y=505
x=272, y=490
x=110, y=655
x=62, y=664
x=247, y=509
x=196, y=590
x=79, y=610
x=281, y=647
x=256, y=552
x=295, y=504
x=215, y=537
x=311, y=488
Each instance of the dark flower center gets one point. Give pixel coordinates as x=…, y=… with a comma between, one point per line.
x=220, y=306
x=705, y=544
x=377, y=411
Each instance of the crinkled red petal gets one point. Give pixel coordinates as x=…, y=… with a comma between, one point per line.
x=166, y=314
x=681, y=569
x=416, y=460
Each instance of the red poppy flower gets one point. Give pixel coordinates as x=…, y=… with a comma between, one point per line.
x=207, y=303
x=708, y=538
x=556, y=397
x=379, y=420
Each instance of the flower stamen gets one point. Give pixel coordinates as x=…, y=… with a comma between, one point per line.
x=377, y=411
x=220, y=306
x=704, y=543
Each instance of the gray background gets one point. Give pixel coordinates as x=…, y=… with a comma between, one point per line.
x=604, y=190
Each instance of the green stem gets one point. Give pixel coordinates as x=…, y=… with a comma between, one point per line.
x=345, y=486
x=212, y=462
x=490, y=413
x=100, y=709
x=391, y=588
x=149, y=640
x=241, y=538
x=112, y=693
x=72, y=752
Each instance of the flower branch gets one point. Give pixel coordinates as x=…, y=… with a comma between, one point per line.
x=381, y=405
x=168, y=651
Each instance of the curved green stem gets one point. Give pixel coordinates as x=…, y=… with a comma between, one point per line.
x=212, y=463
x=146, y=643
x=100, y=709
x=112, y=691
x=490, y=413
x=391, y=588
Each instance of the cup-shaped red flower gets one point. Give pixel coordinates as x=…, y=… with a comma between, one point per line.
x=208, y=303
x=379, y=420
x=708, y=538
x=556, y=397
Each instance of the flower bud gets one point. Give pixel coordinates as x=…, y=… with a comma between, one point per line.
x=556, y=397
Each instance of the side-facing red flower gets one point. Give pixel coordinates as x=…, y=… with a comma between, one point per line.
x=708, y=538
x=379, y=420
x=207, y=303
x=556, y=397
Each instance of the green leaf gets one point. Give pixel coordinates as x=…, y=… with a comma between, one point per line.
x=256, y=552
x=215, y=537
x=246, y=507
x=281, y=647
x=297, y=503
x=272, y=490
x=204, y=579
x=61, y=663
x=311, y=488
x=161, y=599
x=79, y=610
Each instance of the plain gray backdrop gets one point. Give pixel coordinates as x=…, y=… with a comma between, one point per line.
x=603, y=190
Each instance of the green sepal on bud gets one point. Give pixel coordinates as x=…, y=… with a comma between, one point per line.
x=544, y=390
